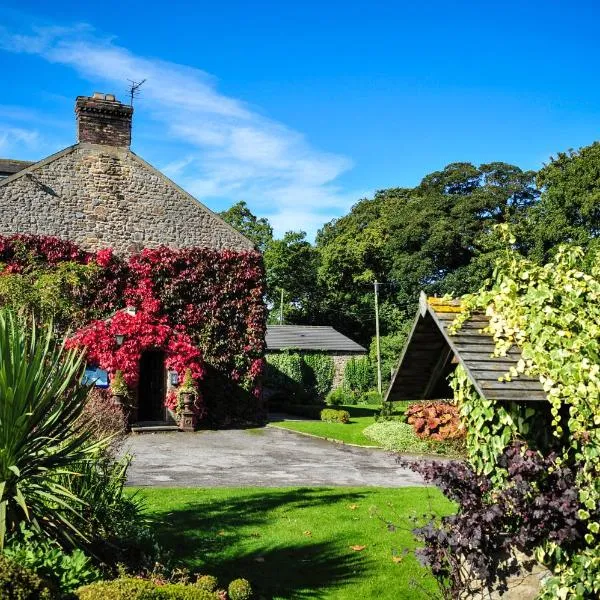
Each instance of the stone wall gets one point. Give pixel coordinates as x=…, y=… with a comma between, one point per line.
x=101, y=196
x=339, y=362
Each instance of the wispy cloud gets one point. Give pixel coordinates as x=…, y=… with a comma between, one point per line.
x=228, y=149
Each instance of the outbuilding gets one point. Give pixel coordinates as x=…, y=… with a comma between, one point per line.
x=432, y=352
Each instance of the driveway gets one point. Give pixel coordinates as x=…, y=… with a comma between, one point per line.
x=267, y=457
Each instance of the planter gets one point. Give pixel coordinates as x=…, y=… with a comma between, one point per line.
x=188, y=416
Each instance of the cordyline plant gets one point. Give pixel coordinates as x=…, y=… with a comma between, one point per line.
x=41, y=400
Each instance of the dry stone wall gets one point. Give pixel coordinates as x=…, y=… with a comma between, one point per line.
x=102, y=196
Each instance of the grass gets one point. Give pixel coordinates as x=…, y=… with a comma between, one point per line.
x=350, y=433
x=295, y=543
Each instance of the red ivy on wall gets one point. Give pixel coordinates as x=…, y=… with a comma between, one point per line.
x=201, y=306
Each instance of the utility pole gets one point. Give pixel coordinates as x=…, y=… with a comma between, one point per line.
x=281, y=309
x=379, y=389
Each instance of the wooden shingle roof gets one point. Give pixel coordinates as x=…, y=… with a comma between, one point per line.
x=431, y=353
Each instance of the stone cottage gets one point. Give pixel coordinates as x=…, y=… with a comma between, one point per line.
x=315, y=338
x=99, y=194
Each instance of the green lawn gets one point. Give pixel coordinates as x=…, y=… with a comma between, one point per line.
x=295, y=543
x=350, y=433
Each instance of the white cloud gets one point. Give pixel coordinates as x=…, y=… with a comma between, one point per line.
x=12, y=139
x=232, y=151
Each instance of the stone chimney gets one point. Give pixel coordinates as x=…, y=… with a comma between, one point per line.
x=102, y=119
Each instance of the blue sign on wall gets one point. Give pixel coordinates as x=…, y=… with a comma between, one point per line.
x=95, y=376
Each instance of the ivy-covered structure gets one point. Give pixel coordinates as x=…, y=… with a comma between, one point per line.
x=433, y=351
x=151, y=280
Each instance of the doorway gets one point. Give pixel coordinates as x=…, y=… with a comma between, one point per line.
x=151, y=389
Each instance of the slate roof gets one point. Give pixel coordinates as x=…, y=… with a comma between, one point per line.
x=309, y=337
x=9, y=166
x=431, y=354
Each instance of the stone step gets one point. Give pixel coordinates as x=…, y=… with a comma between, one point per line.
x=153, y=427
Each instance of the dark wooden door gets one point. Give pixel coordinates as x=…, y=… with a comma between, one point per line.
x=151, y=390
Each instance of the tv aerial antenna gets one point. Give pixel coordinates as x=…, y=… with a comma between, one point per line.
x=134, y=89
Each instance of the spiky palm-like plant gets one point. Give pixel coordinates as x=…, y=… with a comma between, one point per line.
x=41, y=399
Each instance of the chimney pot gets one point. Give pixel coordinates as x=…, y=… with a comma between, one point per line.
x=102, y=119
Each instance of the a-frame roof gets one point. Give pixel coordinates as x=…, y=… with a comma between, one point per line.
x=431, y=353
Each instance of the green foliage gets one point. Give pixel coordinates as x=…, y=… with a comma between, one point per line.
x=142, y=589
x=114, y=523
x=291, y=264
x=207, y=582
x=49, y=292
x=240, y=589
x=372, y=397
x=19, y=583
x=285, y=372
x=240, y=217
x=66, y=570
x=569, y=209
x=321, y=370
x=188, y=385
x=391, y=347
x=396, y=436
x=330, y=415
x=337, y=397
x=358, y=375
x=39, y=433
x=118, y=387
x=433, y=237
x=552, y=313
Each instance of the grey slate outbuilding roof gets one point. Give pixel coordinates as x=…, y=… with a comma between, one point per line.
x=309, y=337
x=9, y=166
x=432, y=353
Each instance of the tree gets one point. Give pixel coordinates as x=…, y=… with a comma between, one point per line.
x=569, y=208
x=240, y=217
x=291, y=265
x=436, y=237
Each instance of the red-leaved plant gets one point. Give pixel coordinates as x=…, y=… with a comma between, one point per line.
x=435, y=420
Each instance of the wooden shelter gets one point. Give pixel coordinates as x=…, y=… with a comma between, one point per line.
x=431, y=354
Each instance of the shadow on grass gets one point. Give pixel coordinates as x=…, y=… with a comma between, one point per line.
x=217, y=538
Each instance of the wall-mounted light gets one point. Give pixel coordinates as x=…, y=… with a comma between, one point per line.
x=174, y=377
x=119, y=338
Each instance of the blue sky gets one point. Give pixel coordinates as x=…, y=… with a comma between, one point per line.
x=303, y=108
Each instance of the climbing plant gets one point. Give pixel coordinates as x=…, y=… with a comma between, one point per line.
x=552, y=313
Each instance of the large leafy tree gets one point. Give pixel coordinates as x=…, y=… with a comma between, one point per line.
x=437, y=237
x=569, y=208
x=291, y=265
x=256, y=229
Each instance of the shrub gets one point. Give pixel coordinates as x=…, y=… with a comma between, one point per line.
x=114, y=524
x=239, y=589
x=103, y=419
x=66, y=570
x=320, y=374
x=128, y=588
x=18, y=583
x=396, y=436
x=372, y=397
x=330, y=415
x=537, y=504
x=118, y=386
x=40, y=434
x=337, y=397
x=358, y=375
x=435, y=420
x=207, y=582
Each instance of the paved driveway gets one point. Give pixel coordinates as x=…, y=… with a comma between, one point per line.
x=266, y=457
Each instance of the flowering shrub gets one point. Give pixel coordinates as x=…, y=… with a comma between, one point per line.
x=435, y=420
x=204, y=308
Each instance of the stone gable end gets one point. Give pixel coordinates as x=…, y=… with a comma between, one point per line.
x=107, y=197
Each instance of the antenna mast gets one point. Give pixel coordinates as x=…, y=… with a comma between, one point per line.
x=134, y=89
